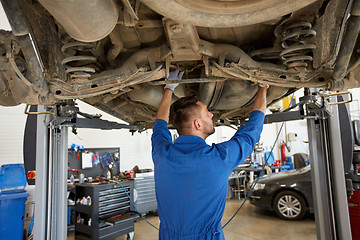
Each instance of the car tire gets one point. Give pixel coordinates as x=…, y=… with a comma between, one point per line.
x=209, y=13
x=289, y=205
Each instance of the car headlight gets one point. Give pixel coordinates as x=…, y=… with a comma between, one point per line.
x=259, y=186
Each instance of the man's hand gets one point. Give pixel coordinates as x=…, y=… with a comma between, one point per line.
x=174, y=75
x=260, y=100
x=264, y=85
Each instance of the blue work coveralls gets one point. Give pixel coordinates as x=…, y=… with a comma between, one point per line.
x=191, y=179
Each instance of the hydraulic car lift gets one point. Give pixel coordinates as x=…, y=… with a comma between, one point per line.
x=50, y=220
x=328, y=175
x=331, y=149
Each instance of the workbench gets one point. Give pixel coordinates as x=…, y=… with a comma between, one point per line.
x=237, y=184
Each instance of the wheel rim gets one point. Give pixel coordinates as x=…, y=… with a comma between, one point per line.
x=289, y=206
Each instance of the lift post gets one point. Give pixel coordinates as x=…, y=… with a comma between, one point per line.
x=50, y=218
x=326, y=157
x=327, y=171
x=41, y=216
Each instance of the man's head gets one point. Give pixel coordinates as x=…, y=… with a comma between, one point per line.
x=191, y=117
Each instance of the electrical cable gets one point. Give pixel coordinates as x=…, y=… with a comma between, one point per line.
x=261, y=173
x=137, y=211
x=257, y=179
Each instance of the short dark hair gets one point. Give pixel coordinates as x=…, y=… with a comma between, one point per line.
x=181, y=111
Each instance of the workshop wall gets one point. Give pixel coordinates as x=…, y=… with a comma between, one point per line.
x=268, y=137
x=300, y=145
x=12, y=125
x=298, y=127
x=355, y=104
x=136, y=150
x=270, y=131
x=4, y=23
x=12, y=121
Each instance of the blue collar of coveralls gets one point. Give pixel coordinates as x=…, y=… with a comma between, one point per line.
x=189, y=139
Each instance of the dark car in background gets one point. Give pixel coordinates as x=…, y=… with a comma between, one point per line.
x=288, y=193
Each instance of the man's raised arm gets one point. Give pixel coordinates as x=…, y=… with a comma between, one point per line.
x=164, y=107
x=260, y=100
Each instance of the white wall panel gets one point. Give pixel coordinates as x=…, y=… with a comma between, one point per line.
x=355, y=105
x=4, y=23
x=12, y=125
x=134, y=149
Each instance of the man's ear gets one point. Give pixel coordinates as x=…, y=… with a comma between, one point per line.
x=197, y=124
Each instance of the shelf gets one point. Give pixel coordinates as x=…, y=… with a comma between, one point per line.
x=116, y=230
x=83, y=228
x=83, y=208
x=122, y=218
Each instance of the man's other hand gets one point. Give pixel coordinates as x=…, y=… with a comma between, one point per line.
x=174, y=75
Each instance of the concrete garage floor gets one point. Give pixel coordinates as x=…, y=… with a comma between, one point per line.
x=250, y=223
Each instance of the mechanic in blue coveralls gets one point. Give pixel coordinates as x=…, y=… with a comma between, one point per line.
x=191, y=177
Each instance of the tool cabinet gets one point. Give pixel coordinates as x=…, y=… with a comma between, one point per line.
x=109, y=214
x=144, y=185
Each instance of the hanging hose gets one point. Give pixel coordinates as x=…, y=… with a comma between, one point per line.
x=261, y=173
x=137, y=211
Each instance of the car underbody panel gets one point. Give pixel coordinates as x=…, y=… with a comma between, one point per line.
x=115, y=55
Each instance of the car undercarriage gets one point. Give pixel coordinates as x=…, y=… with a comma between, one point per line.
x=116, y=55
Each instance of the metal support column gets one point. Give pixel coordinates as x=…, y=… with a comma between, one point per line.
x=338, y=175
x=318, y=147
x=327, y=164
x=42, y=171
x=59, y=165
x=51, y=186
x=328, y=180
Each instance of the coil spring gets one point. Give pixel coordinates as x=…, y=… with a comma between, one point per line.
x=293, y=39
x=266, y=53
x=76, y=64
